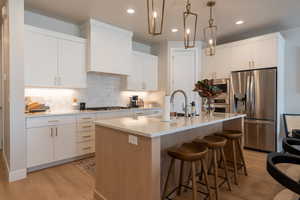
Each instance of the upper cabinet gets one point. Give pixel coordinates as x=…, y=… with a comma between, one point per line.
x=144, y=75
x=54, y=59
x=254, y=53
x=109, y=48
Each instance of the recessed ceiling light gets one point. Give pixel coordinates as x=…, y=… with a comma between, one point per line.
x=174, y=30
x=239, y=22
x=130, y=11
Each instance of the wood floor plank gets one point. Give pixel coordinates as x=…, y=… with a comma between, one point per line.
x=68, y=182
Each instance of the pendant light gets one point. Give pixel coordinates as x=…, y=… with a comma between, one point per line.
x=189, y=26
x=156, y=11
x=210, y=32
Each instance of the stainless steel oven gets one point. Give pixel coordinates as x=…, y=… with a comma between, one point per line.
x=222, y=102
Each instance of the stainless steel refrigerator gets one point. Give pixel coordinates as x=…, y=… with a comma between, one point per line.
x=255, y=94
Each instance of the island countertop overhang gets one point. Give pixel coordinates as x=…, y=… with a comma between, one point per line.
x=153, y=126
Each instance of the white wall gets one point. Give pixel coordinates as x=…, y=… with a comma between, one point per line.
x=15, y=141
x=53, y=24
x=292, y=71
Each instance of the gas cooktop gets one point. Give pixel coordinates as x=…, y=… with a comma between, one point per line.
x=107, y=108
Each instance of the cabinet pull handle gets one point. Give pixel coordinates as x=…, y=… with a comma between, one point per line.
x=86, y=148
x=51, y=132
x=52, y=121
x=86, y=118
x=87, y=127
x=56, y=132
x=87, y=136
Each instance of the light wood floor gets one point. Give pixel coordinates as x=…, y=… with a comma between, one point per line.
x=67, y=182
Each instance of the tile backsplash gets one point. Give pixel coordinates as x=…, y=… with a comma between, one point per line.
x=102, y=90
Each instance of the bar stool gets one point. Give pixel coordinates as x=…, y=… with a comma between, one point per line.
x=188, y=152
x=216, y=145
x=235, y=138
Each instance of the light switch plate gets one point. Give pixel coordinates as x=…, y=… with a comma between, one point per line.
x=133, y=139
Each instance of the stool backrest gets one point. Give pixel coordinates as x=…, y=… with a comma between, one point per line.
x=291, y=122
x=277, y=158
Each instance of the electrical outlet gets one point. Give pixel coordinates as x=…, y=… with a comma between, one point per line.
x=133, y=139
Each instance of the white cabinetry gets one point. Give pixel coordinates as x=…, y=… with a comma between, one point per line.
x=50, y=139
x=40, y=59
x=109, y=48
x=258, y=52
x=65, y=142
x=144, y=75
x=53, y=59
x=39, y=146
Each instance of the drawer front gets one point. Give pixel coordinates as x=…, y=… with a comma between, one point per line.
x=83, y=118
x=86, y=127
x=86, y=147
x=50, y=121
x=85, y=136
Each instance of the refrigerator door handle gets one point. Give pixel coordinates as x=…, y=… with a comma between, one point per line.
x=259, y=122
x=248, y=101
x=252, y=93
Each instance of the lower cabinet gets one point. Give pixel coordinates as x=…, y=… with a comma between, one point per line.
x=50, y=143
x=40, y=147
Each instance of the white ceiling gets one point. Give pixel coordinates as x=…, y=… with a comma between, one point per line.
x=260, y=16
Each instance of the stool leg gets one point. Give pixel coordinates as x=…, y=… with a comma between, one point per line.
x=215, y=167
x=234, y=162
x=180, y=178
x=168, y=177
x=242, y=157
x=225, y=168
x=204, y=170
x=194, y=181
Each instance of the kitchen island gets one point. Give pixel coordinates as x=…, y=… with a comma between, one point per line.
x=131, y=159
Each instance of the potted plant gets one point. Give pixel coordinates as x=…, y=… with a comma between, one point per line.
x=208, y=91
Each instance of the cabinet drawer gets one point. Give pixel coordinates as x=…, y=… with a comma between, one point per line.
x=85, y=136
x=49, y=121
x=86, y=127
x=86, y=147
x=82, y=118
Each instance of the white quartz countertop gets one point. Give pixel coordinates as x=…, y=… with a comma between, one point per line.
x=75, y=112
x=153, y=126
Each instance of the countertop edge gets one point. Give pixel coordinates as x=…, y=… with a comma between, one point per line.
x=27, y=116
x=167, y=132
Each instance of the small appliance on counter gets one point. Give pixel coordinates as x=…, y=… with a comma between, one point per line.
x=82, y=106
x=135, y=102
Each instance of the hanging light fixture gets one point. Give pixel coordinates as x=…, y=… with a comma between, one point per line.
x=156, y=11
x=210, y=32
x=189, y=26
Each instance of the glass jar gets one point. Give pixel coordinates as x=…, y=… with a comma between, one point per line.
x=208, y=105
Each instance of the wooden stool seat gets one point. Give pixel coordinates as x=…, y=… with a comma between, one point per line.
x=230, y=134
x=188, y=152
x=235, y=138
x=213, y=141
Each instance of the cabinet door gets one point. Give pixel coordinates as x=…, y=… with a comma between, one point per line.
x=242, y=55
x=39, y=146
x=40, y=59
x=65, y=141
x=72, y=70
x=209, y=70
x=223, y=62
x=150, y=73
x=135, y=79
x=265, y=53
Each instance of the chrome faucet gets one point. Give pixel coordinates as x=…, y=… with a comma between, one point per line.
x=185, y=98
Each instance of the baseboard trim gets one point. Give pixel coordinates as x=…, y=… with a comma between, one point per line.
x=98, y=196
x=17, y=175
